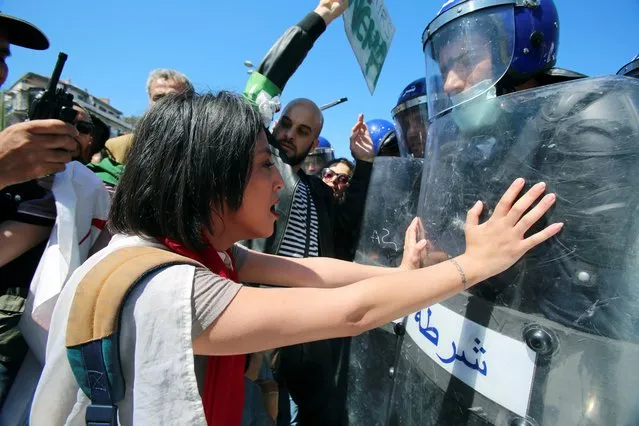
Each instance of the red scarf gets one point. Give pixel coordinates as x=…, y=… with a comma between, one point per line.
x=223, y=396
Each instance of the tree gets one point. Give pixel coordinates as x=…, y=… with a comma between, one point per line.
x=132, y=119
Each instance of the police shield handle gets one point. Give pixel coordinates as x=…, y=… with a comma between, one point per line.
x=370, y=31
x=495, y=245
x=362, y=147
x=330, y=10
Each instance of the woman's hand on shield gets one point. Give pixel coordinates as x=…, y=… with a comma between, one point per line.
x=499, y=242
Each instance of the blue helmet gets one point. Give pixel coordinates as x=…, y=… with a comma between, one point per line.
x=389, y=146
x=631, y=69
x=471, y=45
x=411, y=119
x=416, y=89
x=378, y=128
x=323, y=143
x=319, y=158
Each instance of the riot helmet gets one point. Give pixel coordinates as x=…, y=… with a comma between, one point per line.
x=389, y=146
x=631, y=69
x=472, y=45
x=411, y=119
x=379, y=129
x=319, y=157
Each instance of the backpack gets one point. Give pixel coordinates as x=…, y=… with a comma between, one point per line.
x=93, y=328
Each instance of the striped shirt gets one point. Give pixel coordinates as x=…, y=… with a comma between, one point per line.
x=296, y=236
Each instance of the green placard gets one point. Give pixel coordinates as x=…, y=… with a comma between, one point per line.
x=370, y=31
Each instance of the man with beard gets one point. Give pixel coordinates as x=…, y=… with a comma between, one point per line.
x=311, y=223
x=316, y=234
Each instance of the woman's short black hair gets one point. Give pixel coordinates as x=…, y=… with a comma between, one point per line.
x=191, y=155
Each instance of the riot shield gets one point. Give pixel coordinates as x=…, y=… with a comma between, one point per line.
x=391, y=204
x=555, y=339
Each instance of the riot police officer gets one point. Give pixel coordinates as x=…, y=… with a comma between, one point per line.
x=411, y=119
x=497, y=110
x=319, y=158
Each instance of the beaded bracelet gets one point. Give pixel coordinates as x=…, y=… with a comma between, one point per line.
x=461, y=272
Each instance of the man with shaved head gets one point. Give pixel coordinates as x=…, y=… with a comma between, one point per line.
x=296, y=134
x=298, y=130
x=311, y=223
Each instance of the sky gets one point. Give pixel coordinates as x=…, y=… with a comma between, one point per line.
x=112, y=46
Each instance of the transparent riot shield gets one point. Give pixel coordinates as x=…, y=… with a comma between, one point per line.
x=391, y=205
x=555, y=339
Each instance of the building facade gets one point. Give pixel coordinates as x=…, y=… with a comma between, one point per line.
x=20, y=95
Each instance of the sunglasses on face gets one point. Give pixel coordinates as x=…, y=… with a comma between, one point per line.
x=84, y=127
x=341, y=178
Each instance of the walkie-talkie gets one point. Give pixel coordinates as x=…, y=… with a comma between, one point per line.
x=53, y=102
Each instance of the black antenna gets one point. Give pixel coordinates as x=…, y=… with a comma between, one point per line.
x=57, y=71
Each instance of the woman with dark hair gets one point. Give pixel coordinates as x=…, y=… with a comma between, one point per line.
x=199, y=178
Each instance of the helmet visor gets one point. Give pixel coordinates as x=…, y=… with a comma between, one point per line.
x=412, y=128
x=317, y=160
x=467, y=56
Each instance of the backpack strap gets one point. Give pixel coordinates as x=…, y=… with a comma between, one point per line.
x=93, y=327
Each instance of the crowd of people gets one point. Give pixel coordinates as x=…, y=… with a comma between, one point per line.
x=209, y=275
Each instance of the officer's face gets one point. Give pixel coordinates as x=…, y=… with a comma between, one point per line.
x=4, y=54
x=297, y=131
x=464, y=64
x=414, y=130
x=314, y=164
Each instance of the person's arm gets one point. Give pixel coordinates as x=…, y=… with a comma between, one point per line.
x=259, y=319
x=17, y=238
x=289, y=51
x=30, y=224
x=348, y=215
x=287, y=54
x=321, y=272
